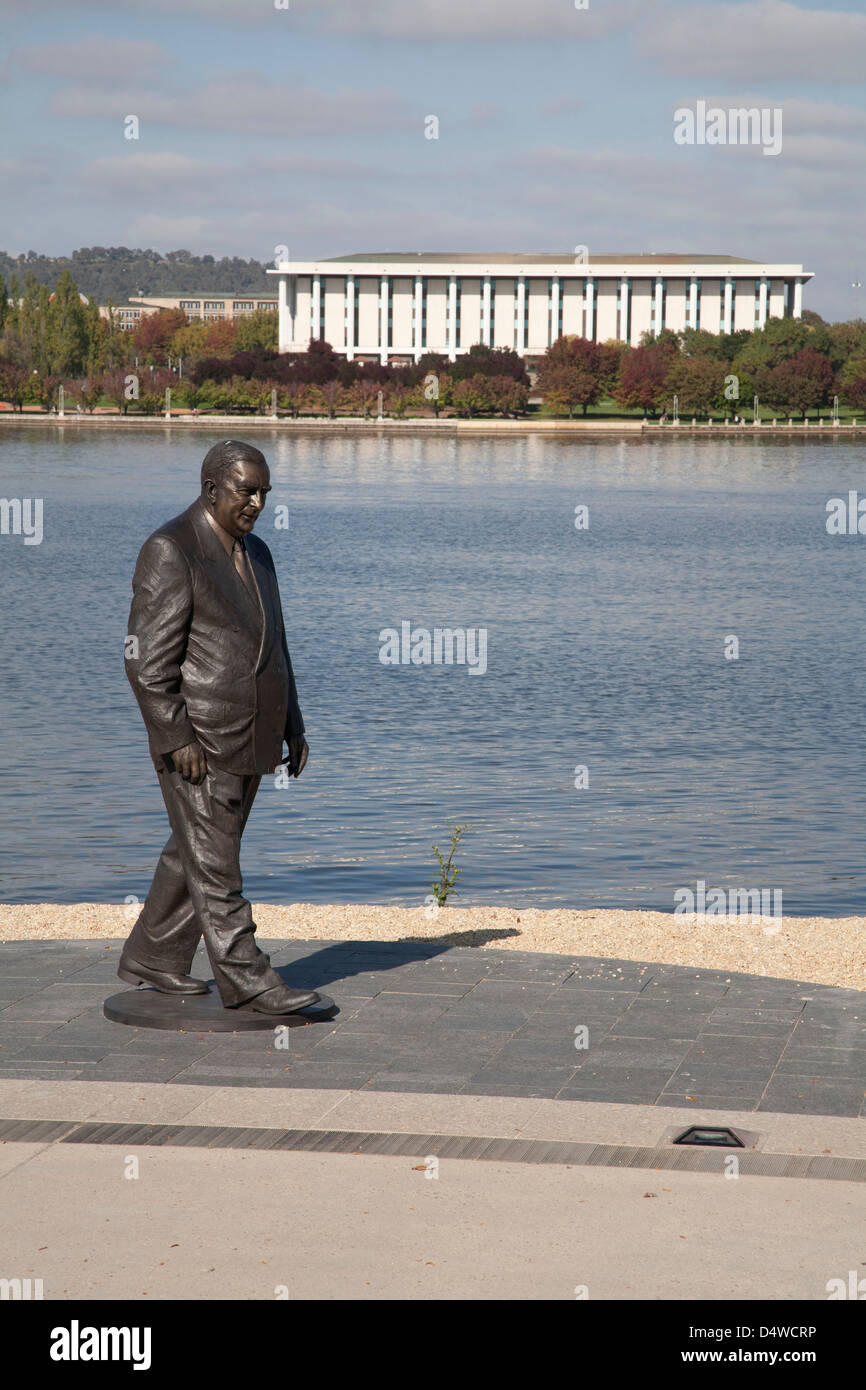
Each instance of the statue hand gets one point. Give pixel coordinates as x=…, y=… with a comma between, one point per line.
x=298, y=753
x=190, y=762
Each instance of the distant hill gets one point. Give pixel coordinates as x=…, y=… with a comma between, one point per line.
x=116, y=272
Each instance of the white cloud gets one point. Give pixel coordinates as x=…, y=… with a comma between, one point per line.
x=243, y=102
x=146, y=174
x=151, y=229
x=94, y=56
x=475, y=19
x=400, y=19
x=763, y=40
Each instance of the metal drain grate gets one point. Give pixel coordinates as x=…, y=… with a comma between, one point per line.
x=462, y=1146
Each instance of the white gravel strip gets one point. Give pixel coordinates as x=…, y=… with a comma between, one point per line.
x=822, y=950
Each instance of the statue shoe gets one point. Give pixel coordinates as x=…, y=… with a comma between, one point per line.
x=281, y=1000
x=167, y=982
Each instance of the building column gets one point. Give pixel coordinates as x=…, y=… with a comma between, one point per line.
x=486, y=312
x=521, y=315
x=350, y=318
x=693, y=302
x=589, y=304
x=419, y=317
x=622, y=329
x=659, y=305
x=316, y=308
x=728, y=312
x=284, y=327
x=452, y=319
x=554, y=309
x=383, y=322
x=798, y=299
x=762, y=303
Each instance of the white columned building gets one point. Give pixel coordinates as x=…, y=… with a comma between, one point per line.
x=589, y=307
x=395, y=307
x=728, y=316
x=384, y=310
x=622, y=332
x=486, y=319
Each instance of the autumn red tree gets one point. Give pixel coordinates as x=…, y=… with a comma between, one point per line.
x=570, y=374
x=643, y=373
x=154, y=333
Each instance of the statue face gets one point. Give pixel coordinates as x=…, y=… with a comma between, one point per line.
x=239, y=500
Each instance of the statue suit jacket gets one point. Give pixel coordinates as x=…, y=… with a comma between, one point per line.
x=211, y=663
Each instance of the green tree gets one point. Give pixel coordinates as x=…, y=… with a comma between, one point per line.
x=257, y=332
x=473, y=395
x=699, y=382
x=802, y=383
x=610, y=355
x=852, y=382
x=68, y=329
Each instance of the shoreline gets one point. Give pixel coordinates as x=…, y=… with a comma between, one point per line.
x=817, y=950
x=355, y=424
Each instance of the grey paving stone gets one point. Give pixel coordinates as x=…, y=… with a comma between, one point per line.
x=421, y=1085
x=722, y=1049
x=412, y=1008
x=327, y=1079
x=122, y=1066
x=686, y=1077
x=716, y=1084
x=824, y=1061
x=622, y=1093
x=700, y=1100
x=805, y=1096
x=642, y=1026
x=27, y=1028
x=652, y=1053
x=43, y=1051
x=408, y=988
x=487, y=1087
x=441, y=1017
x=38, y=1007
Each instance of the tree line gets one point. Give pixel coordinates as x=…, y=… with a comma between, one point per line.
x=791, y=365
x=50, y=338
x=114, y=273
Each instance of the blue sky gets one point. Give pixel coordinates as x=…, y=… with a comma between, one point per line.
x=305, y=126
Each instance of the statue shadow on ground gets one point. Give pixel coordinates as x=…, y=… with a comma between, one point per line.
x=336, y=962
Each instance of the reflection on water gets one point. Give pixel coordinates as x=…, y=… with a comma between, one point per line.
x=605, y=650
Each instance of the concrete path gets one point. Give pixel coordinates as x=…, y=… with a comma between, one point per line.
x=329, y=1226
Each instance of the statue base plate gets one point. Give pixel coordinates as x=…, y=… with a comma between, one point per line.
x=203, y=1013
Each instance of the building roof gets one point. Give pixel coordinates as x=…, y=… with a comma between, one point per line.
x=540, y=258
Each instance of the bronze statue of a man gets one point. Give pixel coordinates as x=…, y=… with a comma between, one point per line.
x=208, y=661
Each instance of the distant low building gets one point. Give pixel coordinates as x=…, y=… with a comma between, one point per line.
x=210, y=307
x=395, y=306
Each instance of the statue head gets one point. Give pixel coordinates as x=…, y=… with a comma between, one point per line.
x=235, y=481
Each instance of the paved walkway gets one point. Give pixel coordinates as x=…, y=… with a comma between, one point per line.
x=331, y=1226
x=469, y=1022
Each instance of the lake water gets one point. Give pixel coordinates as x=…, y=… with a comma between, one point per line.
x=605, y=649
